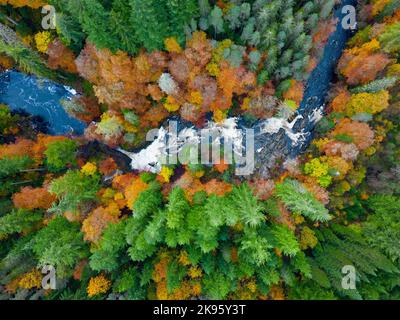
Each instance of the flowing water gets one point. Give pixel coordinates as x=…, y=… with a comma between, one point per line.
x=39, y=97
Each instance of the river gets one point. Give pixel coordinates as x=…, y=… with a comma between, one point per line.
x=274, y=139
x=40, y=97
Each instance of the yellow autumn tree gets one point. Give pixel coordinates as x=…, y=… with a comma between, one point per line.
x=30, y=280
x=371, y=103
x=98, y=285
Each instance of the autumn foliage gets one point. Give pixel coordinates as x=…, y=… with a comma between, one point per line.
x=98, y=220
x=362, y=64
x=199, y=231
x=59, y=56
x=21, y=3
x=33, y=198
x=360, y=133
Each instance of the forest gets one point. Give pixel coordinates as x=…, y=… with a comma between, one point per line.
x=321, y=225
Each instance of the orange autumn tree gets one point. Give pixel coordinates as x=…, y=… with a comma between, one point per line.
x=59, y=56
x=152, y=85
x=360, y=133
x=35, y=4
x=133, y=190
x=119, y=81
x=33, y=198
x=22, y=147
x=108, y=166
x=339, y=103
x=361, y=65
x=188, y=288
x=98, y=285
x=216, y=187
x=94, y=225
x=295, y=92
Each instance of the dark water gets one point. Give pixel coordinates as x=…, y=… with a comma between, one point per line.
x=39, y=97
x=320, y=79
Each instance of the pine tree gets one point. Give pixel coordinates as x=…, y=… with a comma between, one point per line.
x=216, y=21
x=298, y=199
x=179, y=15
x=216, y=285
x=340, y=246
x=177, y=209
x=382, y=229
x=107, y=256
x=11, y=166
x=68, y=25
x=254, y=246
x=285, y=240
x=150, y=21
x=60, y=244
x=129, y=282
x=245, y=205
x=60, y=154
x=121, y=27
x=95, y=22
x=18, y=260
x=28, y=60
x=148, y=201
x=18, y=221
x=73, y=189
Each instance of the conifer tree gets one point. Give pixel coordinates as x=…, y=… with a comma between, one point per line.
x=107, y=257
x=60, y=154
x=18, y=220
x=60, y=244
x=298, y=199
x=94, y=19
x=73, y=189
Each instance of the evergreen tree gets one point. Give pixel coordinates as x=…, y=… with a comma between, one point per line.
x=9, y=167
x=95, y=22
x=298, y=199
x=18, y=260
x=60, y=244
x=122, y=28
x=341, y=246
x=382, y=229
x=150, y=21
x=60, y=154
x=107, y=256
x=180, y=12
x=73, y=189
x=129, y=282
x=18, y=221
x=28, y=60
